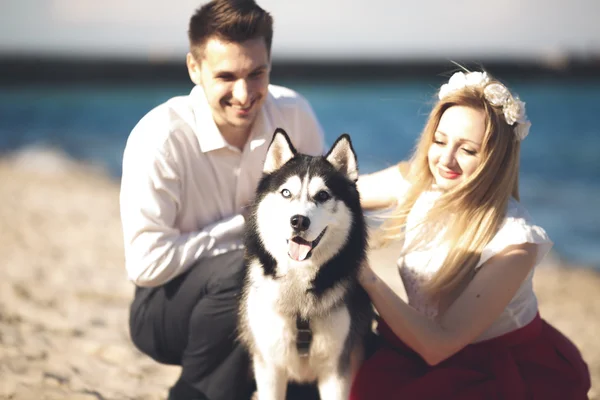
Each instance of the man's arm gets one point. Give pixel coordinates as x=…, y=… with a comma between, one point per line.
x=155, y=250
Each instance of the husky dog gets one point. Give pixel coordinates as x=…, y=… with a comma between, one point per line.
x=302, y=311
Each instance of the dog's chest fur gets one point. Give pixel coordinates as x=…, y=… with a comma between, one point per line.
x=272, y=307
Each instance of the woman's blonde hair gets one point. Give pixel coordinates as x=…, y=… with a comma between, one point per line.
x=470, y=213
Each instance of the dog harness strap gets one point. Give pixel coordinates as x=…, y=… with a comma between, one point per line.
x=304, y=337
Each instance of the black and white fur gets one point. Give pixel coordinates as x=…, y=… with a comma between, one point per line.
x=304, y=202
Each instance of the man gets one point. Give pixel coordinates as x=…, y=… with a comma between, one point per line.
x=189, y=168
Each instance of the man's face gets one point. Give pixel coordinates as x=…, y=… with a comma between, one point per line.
x=235, y=78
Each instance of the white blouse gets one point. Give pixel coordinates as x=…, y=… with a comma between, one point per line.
x=419, y=265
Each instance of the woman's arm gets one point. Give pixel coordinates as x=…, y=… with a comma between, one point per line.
x=379, y=190
x=476, y=308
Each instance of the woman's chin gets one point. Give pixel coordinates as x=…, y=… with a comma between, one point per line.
x=446, y=184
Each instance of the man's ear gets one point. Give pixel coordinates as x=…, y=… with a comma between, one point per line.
x=193, y=67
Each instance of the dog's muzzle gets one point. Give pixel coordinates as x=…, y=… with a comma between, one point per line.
x=301, y=249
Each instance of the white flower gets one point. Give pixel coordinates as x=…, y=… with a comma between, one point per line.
x=444, y=91
x=497, y=94
x=522, y=130
x=514, y=110
x=461, y=80
x=457, y=80
x=477, y=79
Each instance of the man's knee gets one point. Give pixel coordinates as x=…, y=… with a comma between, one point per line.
x=144, y=338
x=140, y=337
x=213, y=327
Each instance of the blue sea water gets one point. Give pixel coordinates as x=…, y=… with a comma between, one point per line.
x=560, y=166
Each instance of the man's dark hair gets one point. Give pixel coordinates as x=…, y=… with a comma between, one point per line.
x=229, y=20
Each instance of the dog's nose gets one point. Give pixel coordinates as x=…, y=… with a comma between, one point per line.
x=300, y=222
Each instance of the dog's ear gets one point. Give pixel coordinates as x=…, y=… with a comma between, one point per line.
x=343, y=158
x=281, y=150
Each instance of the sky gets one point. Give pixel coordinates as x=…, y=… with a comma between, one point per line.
x=319, y=29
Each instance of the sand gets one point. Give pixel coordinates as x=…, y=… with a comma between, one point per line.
x=64, y=295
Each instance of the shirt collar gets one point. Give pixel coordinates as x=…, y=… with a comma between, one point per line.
x=209, y=136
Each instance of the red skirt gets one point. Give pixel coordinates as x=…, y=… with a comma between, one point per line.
x=533, y=362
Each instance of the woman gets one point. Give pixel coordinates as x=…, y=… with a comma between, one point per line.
x=471, y=328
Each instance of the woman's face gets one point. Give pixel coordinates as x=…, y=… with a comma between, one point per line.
x=455, y=152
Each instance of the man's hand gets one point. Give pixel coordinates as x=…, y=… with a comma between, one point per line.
x=246, y=211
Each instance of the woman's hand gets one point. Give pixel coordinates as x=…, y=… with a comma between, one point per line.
x=366, y=276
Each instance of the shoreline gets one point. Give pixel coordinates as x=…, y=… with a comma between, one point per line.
x=19, y=69
x=65, y=295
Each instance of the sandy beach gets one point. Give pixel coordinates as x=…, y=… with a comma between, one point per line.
x=64, y=294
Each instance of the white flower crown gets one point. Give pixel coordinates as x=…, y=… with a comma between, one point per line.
x=496, y=93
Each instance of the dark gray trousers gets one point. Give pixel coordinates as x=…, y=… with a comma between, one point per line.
x=191, y=321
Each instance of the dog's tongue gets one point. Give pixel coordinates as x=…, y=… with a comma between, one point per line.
x=298, y=249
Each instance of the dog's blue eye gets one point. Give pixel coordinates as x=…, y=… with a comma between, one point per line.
x=322, y=196
x=286, y=193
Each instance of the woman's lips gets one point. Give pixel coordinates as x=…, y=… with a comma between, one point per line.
x=448, y=174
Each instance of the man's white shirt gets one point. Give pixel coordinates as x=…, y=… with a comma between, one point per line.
x=183, y=186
